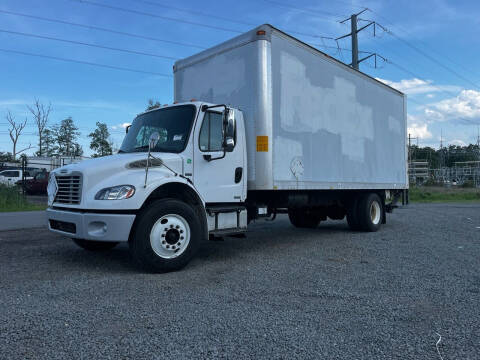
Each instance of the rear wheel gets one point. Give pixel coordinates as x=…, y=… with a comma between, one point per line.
x=370, y=212
x=304, y=218
x=352, y=215
x=91, y=245
x=166, y=236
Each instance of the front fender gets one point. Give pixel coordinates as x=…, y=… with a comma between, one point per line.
x=156, y=178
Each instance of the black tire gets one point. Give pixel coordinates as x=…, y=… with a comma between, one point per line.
x=92, y=245
x=352, y=217
x=304, y=218
x=368, y=219
x=141, y=247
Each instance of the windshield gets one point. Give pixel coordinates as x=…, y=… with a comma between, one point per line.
x=172, y=124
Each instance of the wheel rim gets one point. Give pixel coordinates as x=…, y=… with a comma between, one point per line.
x=375, y=212
x=170, y=236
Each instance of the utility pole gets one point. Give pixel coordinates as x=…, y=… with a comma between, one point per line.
x=354, y=34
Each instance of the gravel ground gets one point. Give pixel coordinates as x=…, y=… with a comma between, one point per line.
x=281, y=293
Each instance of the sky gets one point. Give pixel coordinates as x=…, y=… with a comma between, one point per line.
x=432, y=49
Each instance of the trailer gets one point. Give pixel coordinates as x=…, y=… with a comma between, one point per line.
x=262, y=124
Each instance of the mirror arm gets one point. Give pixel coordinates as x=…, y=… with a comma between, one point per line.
x=209, y=158
x=206, y=107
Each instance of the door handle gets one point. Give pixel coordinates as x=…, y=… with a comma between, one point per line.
x=238, y=174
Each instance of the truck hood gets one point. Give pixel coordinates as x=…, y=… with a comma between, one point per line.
x=99, y=169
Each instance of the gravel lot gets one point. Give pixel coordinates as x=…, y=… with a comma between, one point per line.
x=280, y=293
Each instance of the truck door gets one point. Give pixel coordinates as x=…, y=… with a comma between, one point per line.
x=218, y=175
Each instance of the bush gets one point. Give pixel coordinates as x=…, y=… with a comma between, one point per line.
x=468, y=184
x=11, y=199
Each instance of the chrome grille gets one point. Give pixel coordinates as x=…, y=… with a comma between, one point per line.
x=69, y=189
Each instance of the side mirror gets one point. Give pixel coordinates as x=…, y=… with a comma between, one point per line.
x=229, y=121
x=127, y=128
x=229, y=144
x=153, y=140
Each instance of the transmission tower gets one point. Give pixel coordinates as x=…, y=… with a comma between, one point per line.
x=354, y=34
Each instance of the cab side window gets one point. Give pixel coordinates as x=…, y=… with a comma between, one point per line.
x=211, y=132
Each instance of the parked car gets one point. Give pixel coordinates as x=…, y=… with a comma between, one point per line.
x=37, y=185
x=11, y=177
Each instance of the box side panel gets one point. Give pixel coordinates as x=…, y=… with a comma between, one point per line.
x=333, y=129
x=236, y=77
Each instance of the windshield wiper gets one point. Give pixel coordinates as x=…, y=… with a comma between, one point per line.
x=143, y=147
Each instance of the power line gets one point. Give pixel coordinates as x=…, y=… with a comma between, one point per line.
x=137, y=12
x=97, y=28
x=84, y=62
x=432, y=50
x=434, y=60
x=423, y=53
x=87, y=44
x=305, y=10
x=142, y=13
x=194, y=12
x=433, y=85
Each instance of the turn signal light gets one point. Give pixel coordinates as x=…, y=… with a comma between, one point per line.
x=261, y=32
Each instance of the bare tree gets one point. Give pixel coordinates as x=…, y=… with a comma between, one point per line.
x=15, y=131
x=40, y=116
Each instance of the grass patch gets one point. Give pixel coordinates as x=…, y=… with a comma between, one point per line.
x=11, y=199
x=429, y=194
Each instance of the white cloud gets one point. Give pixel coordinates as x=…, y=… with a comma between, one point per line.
x=419, y=131
x=121, y=126
x=417, y=86
x=458, y=142
x=430, y=96
x=464, y=106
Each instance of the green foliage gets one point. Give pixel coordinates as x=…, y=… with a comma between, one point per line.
x=446, y=156
x=6, y=156
x=66, y=135
x=48, y=145
x=152, y=105
x=100, y=143
x=442, y=194
x=11, y=199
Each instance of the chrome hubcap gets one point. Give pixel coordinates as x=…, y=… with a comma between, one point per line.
x=375, y=212
x=170, y=236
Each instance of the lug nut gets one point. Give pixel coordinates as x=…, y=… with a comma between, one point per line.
x=164, y=242
x=163, y=235
x=181, y=237
x=171, y=226
x=177, y=227
x=181, y=231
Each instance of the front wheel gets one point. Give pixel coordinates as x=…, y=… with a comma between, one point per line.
x=92, y=245
x=166, y=236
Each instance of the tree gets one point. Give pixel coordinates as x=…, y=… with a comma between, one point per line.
x=15, y=131
x=40, y=116
x=100, y=143
x=66, y=134
x=48, y=143
x=6, y=156
x=152, y=105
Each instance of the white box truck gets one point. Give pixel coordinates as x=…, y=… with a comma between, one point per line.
x=262, y=124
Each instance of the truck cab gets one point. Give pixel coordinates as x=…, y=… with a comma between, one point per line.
x=179, y=176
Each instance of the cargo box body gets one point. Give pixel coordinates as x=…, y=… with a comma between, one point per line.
x=311, y=121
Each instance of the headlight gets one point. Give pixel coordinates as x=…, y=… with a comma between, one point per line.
x=116, y=193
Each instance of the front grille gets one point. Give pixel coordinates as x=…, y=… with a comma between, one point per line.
x=63, y=226
x=69, y=189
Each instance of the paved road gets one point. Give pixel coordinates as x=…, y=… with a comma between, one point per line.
x=22, y=220
x=327, y=293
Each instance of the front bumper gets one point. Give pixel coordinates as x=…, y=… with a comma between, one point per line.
x=90, y=226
